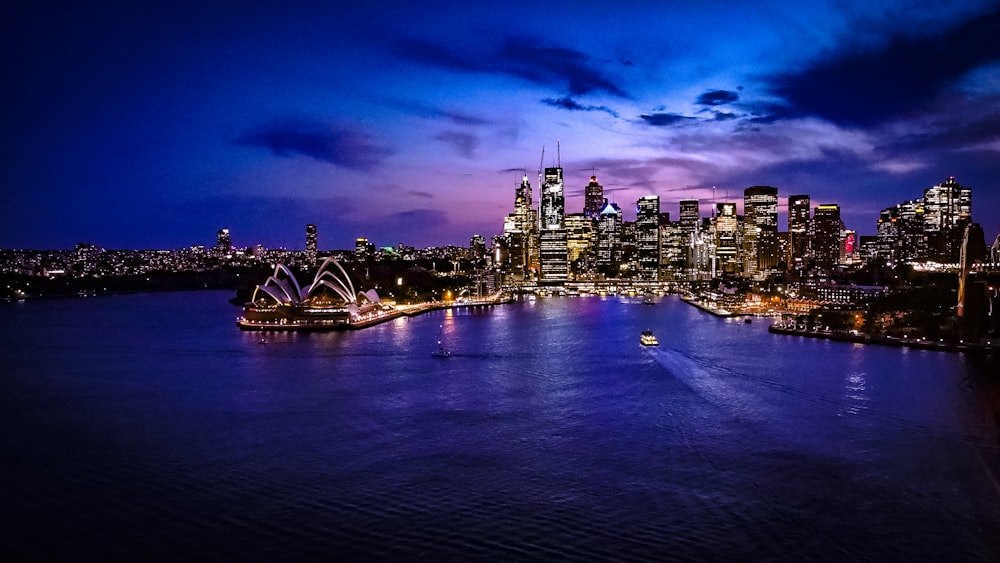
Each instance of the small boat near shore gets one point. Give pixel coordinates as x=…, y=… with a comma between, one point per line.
x=648, y=339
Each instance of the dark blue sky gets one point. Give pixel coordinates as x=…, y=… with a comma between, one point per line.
x=153, y=124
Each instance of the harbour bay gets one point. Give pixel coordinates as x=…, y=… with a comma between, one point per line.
x=148, y=426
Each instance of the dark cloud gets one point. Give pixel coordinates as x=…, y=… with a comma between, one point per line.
x=856, y=87
x=344, y=147
x=417, y=193
x=664, y=119
x=717, y=97
x=431, y=112
x=522, y=57
x=463, y=143
x=570, y=104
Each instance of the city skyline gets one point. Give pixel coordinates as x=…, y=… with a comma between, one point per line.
x=153, y=126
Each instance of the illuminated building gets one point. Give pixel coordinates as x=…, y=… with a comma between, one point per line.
x=311, y=244
x=947, y=210
x=760, y=230
x=552, y=252
x=520, y=228
x=593, y=200
x=330, y=302
x=827, y=227
x=726, y=238
x=363, y=250
x=647, y=237
x=609, y=232
x=579, y=239
x=798, y=231
x=223, y=243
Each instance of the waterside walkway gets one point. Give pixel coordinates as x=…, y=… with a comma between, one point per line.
x=376, y=317
x=988, y=347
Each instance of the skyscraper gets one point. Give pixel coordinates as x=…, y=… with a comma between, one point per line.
x=760, y=230
x=689, y=215
x=827, y=227
x=647, y=231
x=222, y=241
x=311, y=244
x=593, y=199
x=726, y=237
x=798, y=231
x=609, y=232
x=947, y=210
x=552, y=250
x=520, y=229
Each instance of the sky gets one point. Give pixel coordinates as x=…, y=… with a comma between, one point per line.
x=154, y=124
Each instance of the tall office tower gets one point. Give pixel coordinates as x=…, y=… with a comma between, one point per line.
x=311, y=244
x=222, y=241
x=887, y=235
x=609, y=233
x=579, y=237
x=689, y=216
x=647, y=237
x=477, y=247
x=760, y=230
x=913, y=240
x=726, y=238
x=552, y=254
x=520, y=228
x=798, y=231
x=947, y=210
x=593, y=200
x=827, y=228
x=673, y=246
x=363, y=249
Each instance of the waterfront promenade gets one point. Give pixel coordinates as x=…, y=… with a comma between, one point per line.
x=987, y=347
x=376, y=316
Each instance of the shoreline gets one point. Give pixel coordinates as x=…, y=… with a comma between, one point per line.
x=918, y=343
x=405, y=311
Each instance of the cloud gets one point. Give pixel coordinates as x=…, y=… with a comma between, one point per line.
x=340, y=146
x=526, y=58
x=418, y=193
x=664, y=119
x=570, y=104
x=463, y=143
x=717, y=97
x=865, y=87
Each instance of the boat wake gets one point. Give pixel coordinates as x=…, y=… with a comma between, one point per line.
x=715, y=388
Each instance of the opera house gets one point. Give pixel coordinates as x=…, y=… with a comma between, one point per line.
x=330, y=302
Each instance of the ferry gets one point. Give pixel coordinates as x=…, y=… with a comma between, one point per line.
x=647, y=339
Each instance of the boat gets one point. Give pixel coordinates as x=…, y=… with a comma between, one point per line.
x=647, y=339
x=648, y=300
x=441, y=351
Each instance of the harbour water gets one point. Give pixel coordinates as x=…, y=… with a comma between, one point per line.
x=148, y=426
